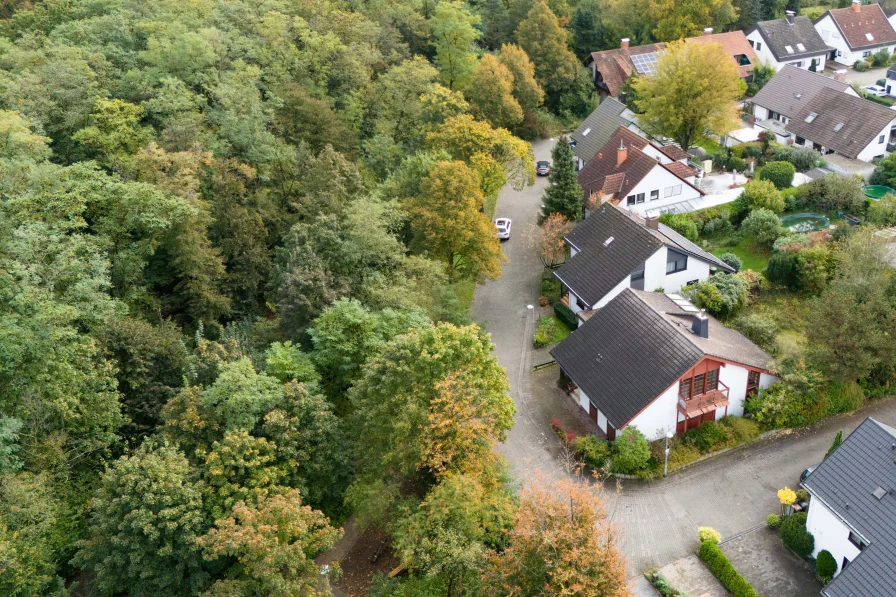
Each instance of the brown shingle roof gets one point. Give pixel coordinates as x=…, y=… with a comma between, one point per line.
x=734, y=43
x=854, y=25
x=615, y=66
x=861, y=122
x=614, y=180
x=681, y=170
x=674, y=152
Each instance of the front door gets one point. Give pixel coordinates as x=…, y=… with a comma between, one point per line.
x=592, y=411
x=752, y=383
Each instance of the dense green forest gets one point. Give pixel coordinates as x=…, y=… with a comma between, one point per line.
x=238, y=241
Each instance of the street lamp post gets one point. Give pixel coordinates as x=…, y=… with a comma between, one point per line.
x=666, y=462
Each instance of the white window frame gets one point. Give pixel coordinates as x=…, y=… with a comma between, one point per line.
x=654, y=195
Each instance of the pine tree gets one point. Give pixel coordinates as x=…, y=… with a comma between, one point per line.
x=563, y=195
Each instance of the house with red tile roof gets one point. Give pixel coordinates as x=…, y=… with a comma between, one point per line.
x=856, y=32
x=633, y=173
x=610, y=69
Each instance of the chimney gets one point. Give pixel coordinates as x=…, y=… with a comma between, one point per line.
x=707, y=31
x=857, y=5
x=652, y=222
x=621, y=153
x=840, y=75
x=790, y=14
x=624, y=43
x=701, y=324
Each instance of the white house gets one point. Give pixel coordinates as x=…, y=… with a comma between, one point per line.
x=785, y=95
x=856, y=32
x=654, y=361
x=632, y=172
x=790, y=41
x=852, y=511
x=613, y=250
x=853, y=127
x=891, y=80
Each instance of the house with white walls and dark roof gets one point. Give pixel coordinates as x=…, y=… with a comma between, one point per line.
x=792, y=41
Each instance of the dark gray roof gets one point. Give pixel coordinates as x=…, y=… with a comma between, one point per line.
x=606, y=357
x=630, y=351
x=680, y=242
x=600, y=126
x=597, y=268
x=857, y=121
x=792, y=88
x=850, y=475
x=780, y=33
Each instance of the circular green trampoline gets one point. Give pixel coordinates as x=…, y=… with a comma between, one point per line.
x=804, y=222
x=876, y=191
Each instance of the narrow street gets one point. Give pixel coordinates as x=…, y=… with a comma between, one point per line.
x=732, y=493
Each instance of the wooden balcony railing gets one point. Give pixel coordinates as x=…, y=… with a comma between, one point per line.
x=704, y=403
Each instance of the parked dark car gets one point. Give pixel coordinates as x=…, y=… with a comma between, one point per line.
x=542, y=168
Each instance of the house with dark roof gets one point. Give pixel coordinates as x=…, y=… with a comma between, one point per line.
x=631, y=171
x=856, y=32
x=654, y=361
x=790, y=41
x=784, y=96
x=612, y=250
x=597, y=128
x=853, y=127
x=852, y=511
x=610, y=69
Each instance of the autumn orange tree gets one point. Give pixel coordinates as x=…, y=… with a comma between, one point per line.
x=447, y=223
x=562, y=544
x=551, y=243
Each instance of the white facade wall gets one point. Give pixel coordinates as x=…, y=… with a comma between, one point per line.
x=584, y=402
x=876, y=147
x=661, y=180
x=830, y=34
x=830, y=533
x=736, y=379
x=764, y=53
x=625, y=283
x=655, y=276
x=660, y=416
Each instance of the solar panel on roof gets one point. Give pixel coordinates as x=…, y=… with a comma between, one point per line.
x=645, y=64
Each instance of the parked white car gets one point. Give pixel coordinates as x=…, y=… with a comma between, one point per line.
x=875, y=90
x=503, y=226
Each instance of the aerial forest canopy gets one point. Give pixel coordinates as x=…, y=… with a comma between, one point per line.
x=229, y=232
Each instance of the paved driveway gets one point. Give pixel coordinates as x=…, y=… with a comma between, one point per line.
x=732, y=493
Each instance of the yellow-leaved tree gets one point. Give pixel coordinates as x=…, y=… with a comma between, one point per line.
x=694, y=93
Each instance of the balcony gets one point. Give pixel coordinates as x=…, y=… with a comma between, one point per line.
x=702, y=404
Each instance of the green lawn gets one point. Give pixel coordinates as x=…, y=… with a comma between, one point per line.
x=558, y=329
x=709, y=145
x=750, y=256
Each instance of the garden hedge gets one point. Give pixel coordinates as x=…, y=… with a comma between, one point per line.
x=825, y=565
x=721, y=567
x=795, y=536
x=779, y=173
x=564, y=314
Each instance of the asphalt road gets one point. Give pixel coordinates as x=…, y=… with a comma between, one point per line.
x=732, y=493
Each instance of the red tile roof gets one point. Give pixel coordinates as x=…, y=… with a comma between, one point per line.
x=674, y=152
x=870, y=19
x=681, y=170
x=615, y=66
x=734, y=43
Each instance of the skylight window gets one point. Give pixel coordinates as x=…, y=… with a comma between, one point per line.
x=608, y=241
x=869, y=37
x=812, y=116
x=837, y=127
x=801, y=47
x=789, y=49
x=585, y=132
x=880, y=492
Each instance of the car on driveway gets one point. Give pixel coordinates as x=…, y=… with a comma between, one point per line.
x=542, y=168
x=875, y=90
x=503, y=228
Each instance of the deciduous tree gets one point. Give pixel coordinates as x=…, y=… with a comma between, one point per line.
x=678, y=19
x=551, y=239
x=562, y=544
x=526, y=89
x=453, y=34
x=693, y=93
x=491, y=94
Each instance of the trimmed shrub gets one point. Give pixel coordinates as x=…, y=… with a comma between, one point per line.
x=763, y=226
x=682, y=224
x=593, y=450
x=763, y=193
x=732, y=260
x=566, y=316
x=709, y=534
x=802, y=158
x=736, y=163
x=722, y=295
x=861, y=66
x=825, y=565
x=773, y=521
x=721, y=567
x=631, y=452
x=760, y=329
x=795, y=536
x=779, y=173
x=708, y=436
x=717, y=227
